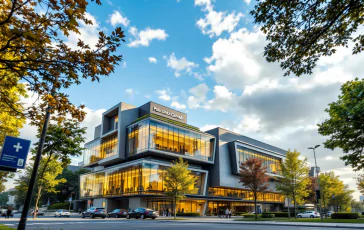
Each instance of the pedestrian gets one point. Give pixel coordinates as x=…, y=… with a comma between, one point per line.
x=8, y=212
x=167, y=212
x=170, y=212
x=227, y=213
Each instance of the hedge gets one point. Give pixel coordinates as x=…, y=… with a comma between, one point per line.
x=280, y=214
x=267, y=215
x=239, y=213
x=248, y=215
x=188, y=214
x=345, y=215
x=60, y=206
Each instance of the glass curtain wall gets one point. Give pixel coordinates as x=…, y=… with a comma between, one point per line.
x=109, y=146
x=143, y=178
x=92, y=152
x=245, y=194
x=272, y=163
x=169, y=138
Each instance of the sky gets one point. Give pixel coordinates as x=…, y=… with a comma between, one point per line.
x=205, y=58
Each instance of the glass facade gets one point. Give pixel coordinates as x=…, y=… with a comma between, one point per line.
x=155, y=135
x=99, y=149
x=245, y=194
x=272, y=163
x=182, y=206
x=143, y=178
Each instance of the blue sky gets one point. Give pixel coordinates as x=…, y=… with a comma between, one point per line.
x=205, y=58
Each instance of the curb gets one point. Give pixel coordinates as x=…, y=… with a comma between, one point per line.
x=271, y=223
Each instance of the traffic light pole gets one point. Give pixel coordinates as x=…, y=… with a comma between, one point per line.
x=318, y=185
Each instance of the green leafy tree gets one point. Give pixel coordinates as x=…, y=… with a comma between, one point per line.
x=294, y=180
x=21, y=186
x=360, y=183
x=253, y=175
x=334, y=192
x=4, y=198
x=301, y=31
x=312, y=186
x=179, y=181
x=345, y=126
x=71, y=186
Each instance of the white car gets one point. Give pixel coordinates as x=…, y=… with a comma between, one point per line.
x=308, y=214
x=61, y=213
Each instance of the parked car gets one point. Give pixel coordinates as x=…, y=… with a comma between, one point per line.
x=94, y=212
x=39, y=213
x=118, y=213
x=62, y=212
x=308, y=214
x=142, y=213
x=329, y=213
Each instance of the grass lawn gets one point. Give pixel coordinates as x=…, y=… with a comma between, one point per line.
x=316, y=220
x=3, y=227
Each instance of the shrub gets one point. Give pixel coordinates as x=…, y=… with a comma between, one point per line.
x=248, y=215
x=239, y=213
x=188, y=214
x=59, y=206
x=267, y=215
x=345, y=215
x=280, y=214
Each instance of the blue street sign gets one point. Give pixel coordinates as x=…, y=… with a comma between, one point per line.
x=14, y=152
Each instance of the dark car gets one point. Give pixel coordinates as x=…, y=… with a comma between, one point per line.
x=39, y=213
x=94, y=212
x=142, y=213
x=118, y=213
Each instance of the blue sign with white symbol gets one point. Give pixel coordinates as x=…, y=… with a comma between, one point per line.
x=14, y=152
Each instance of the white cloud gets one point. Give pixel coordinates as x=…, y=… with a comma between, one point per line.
x=224, y=99
x=215, y=23
x=164, y=94
x=152, y=60
x=130, y=92
x=124, y=64
x=247, y=1
x=178, y=105
x=249, y=124
x=198, y=95
x=117, y=18
x=144, y=37
x=180, y=65
x=147, y=96
x=88, y=33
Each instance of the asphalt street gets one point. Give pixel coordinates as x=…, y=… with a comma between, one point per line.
x=99, y=224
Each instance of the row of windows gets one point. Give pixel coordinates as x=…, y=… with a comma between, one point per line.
x=273, y=164
x=137, y=179
x=100, y=149
x=245, y=194
x=150, y=134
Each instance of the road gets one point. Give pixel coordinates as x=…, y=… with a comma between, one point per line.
x=99, y=224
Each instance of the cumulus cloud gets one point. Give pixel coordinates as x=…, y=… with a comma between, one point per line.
x=223, y=100
x=130, y=92
x=144, y=37
x=198, y=95
x=178, y=105
x=181, y=65
x=215, y=23
x=116, y=18
x=164, y=94
x=152, y=60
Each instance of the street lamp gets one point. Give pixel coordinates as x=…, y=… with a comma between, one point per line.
x=318, y=180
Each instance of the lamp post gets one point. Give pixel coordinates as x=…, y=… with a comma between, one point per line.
x=318, y=179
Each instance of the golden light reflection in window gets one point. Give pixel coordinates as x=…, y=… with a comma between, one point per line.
x=245, y=194
x=136, y=179
x=99, y=149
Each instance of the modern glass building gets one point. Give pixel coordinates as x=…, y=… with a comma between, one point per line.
x=133, y=146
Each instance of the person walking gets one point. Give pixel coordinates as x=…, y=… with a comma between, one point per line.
x=8, y=212
x=167, y=212
x=227, y=213
x=230, y=213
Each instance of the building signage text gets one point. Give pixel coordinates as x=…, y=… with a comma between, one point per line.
x=171, y=114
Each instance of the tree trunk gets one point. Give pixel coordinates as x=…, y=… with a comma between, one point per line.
x=174, y=208
x=294, y=205
x=255, y=204
x=289, y=213
x=39, y=194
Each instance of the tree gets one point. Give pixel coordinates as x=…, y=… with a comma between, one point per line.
x=63, y=141
x=179, y=181
x=312, y=186
x=253, y=176
x=334, y=192
x=345, y=127
x=47, y=178
x=10, y=121
x=300, y=32
x=360, y=183
x=4, y=198
x=71, y=185
x=294, y=180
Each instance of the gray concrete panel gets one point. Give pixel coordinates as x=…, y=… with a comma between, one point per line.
x=127, y=115
x=97, y=133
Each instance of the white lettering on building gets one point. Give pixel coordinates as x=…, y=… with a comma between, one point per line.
x=171, y=114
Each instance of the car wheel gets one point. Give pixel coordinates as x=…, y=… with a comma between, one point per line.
x=83, y=216
x=103, y=217
x=92, y=216
x=142, y=217
x=153, y=218
x=312, y=216
x=127, y=216
x=68, y=216
x=108, y=216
